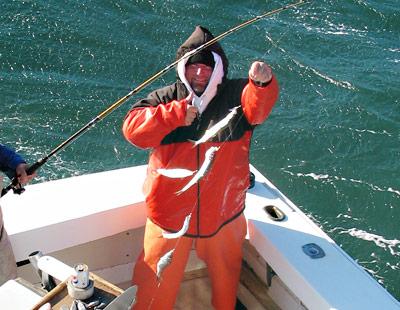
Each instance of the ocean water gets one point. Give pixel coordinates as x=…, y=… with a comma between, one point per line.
x=331, y=143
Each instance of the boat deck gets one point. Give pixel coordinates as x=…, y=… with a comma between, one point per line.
x=195, y=292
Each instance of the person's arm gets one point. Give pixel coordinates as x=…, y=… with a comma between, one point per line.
x=260, y=94
x=146, y=126
x=9, y=160
x=12, y=164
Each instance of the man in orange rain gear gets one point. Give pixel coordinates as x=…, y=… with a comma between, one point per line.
x=168, y=121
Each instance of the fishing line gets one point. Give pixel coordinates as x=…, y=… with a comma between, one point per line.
x=31, y=169
x=275, y=43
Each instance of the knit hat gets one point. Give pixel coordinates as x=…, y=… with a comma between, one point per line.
x=203, y=57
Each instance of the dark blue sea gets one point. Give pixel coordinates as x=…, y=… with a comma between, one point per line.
x=331, y=144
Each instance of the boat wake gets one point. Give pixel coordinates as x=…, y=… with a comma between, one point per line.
x=392, y=245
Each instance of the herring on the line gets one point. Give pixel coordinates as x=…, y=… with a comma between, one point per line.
x=175, y=173
x=181, y=232
x=209, y=157
x=211, y=132
x=164, y=261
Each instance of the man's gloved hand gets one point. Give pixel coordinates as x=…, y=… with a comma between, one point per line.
x=260, y=72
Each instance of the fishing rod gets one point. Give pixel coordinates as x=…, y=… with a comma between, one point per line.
x=18, y=189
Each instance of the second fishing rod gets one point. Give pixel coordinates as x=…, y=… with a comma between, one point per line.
x=31, y=169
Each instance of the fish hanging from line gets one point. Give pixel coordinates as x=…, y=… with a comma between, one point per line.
x=181, y=232
x=163, y=263
x=211, y=132
x=209, y=157
x=175, y=173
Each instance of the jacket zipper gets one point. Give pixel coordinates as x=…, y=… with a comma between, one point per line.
x=198, y=183
x=198, y=192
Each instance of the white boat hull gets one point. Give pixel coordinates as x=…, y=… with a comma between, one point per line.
x=98, y=219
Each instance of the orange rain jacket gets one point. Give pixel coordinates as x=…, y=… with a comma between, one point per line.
x=158, y=123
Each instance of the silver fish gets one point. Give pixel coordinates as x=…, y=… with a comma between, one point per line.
x=92, y=304
x=164, y=261
x=181, y=232
x=101, y=306
x=175, y=173
x=81, y=305
x=74, y=305
x=210, y=153
x=211, y=132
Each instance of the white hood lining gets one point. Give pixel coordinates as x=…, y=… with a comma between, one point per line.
x=211, y=89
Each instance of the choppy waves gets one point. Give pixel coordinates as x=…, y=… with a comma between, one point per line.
x=325, y=178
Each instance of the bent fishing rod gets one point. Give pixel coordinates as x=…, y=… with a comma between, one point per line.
x=18, y=189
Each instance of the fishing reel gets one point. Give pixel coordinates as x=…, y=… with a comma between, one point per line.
x=18, y=189
x=15, y=185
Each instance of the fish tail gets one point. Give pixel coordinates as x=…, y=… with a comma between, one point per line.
x=195, y=143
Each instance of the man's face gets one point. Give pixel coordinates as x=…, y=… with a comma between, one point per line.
x=198, y=75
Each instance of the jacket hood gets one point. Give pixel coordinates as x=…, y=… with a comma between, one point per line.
x=200, y=36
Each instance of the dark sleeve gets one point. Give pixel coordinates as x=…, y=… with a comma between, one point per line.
x=9, y=160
